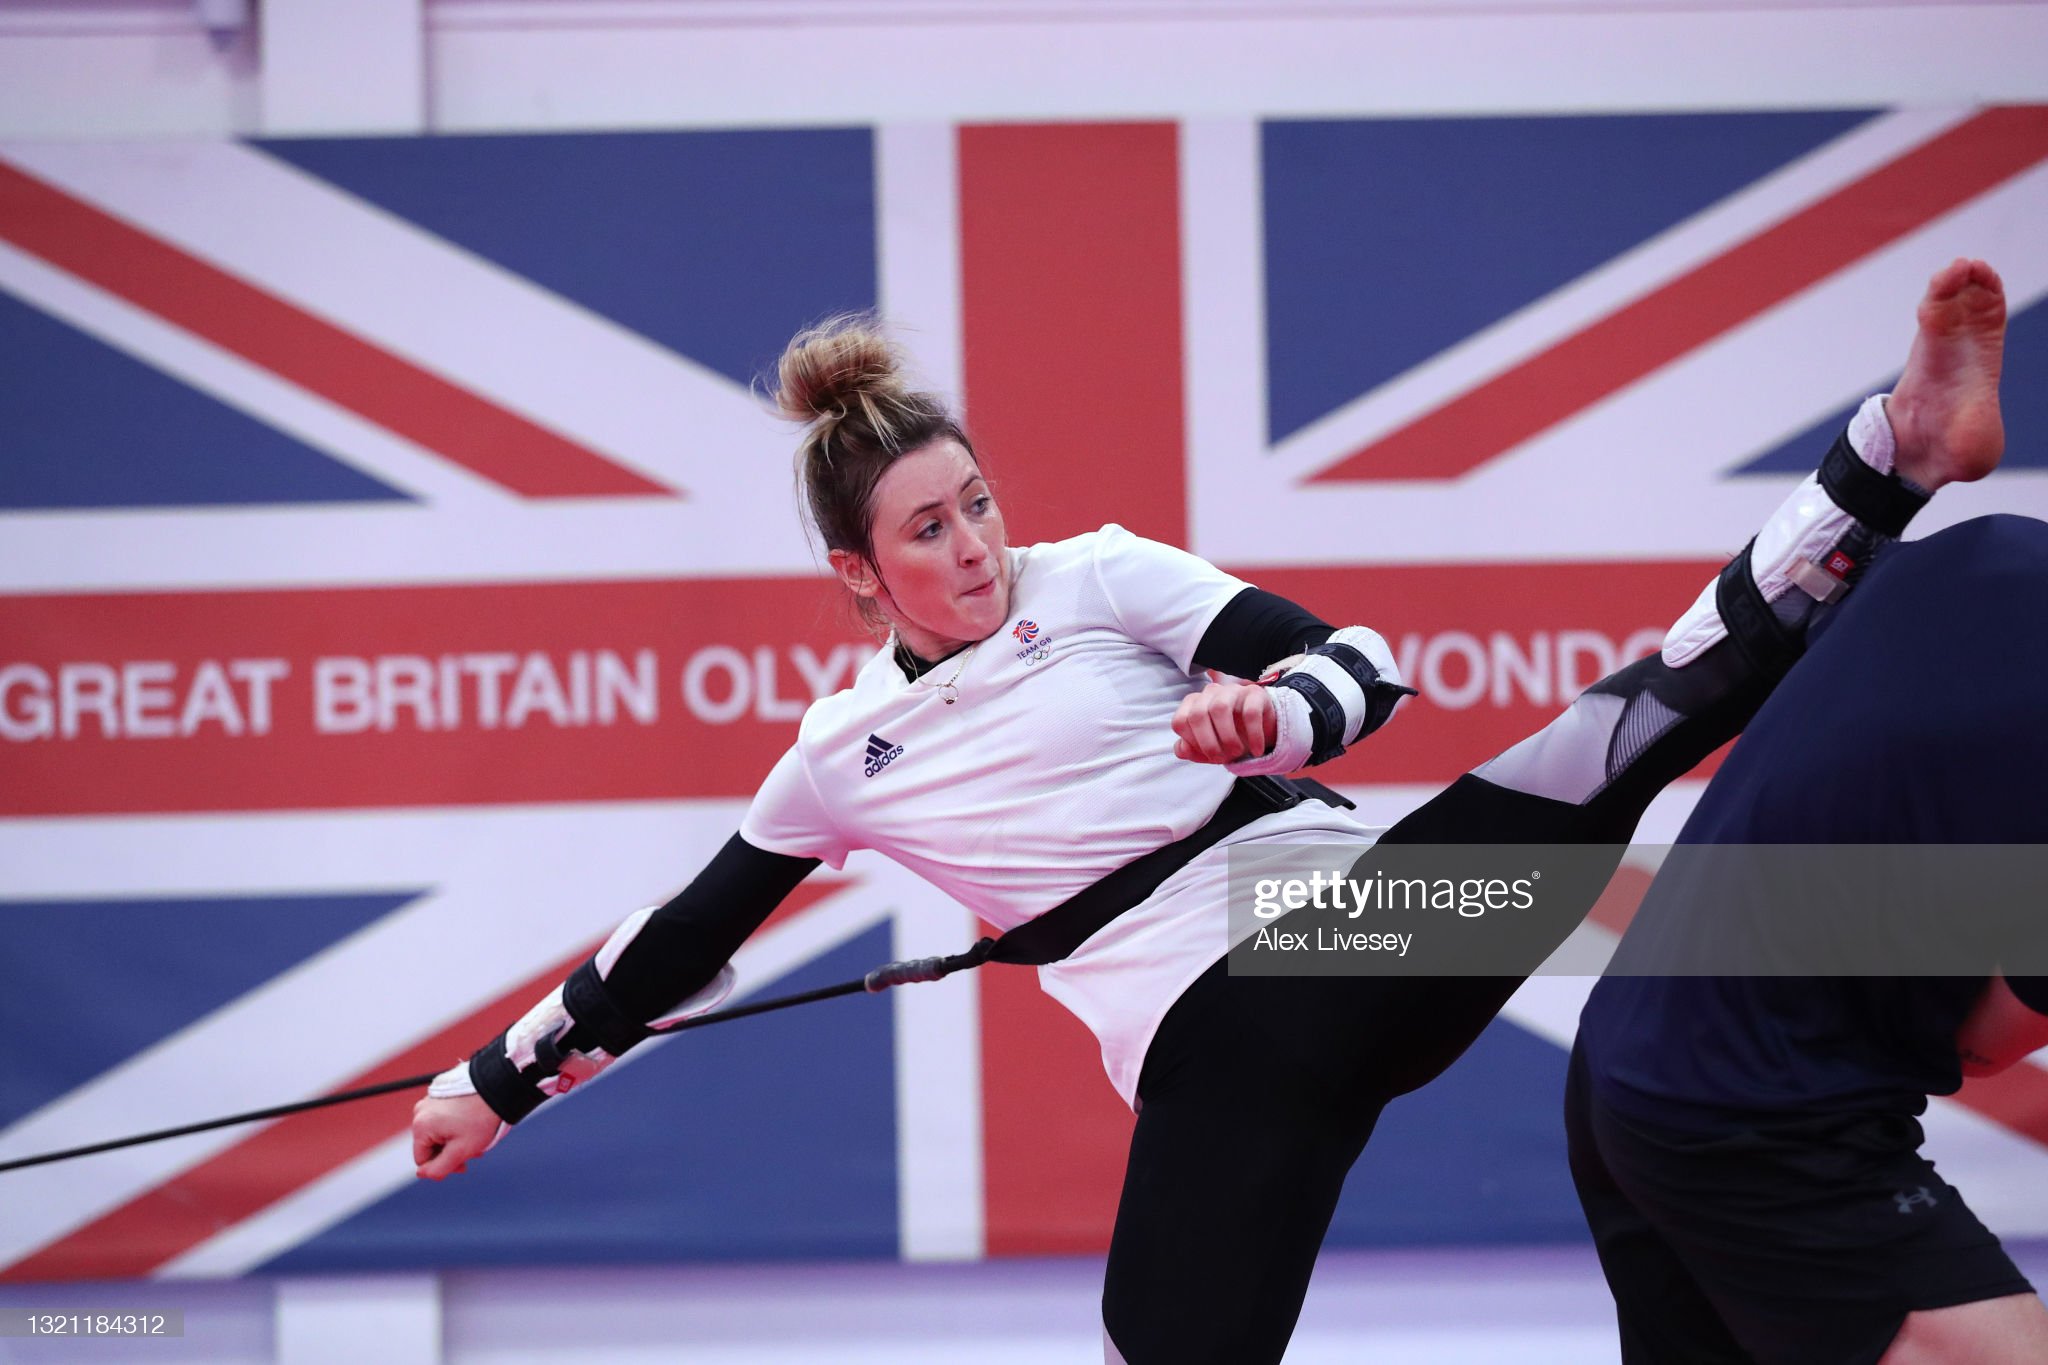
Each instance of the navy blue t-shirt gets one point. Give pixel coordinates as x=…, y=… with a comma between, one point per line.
x=1919, y=716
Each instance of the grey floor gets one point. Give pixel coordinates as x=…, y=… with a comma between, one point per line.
x=1531, y=1306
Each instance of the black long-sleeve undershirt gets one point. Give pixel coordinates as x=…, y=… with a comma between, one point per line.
x=684, y=943
x=1257, y=628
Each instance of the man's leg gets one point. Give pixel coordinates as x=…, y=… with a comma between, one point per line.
x=2012, y=1330
x=1664, y=1316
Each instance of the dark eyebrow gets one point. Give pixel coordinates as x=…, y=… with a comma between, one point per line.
x=972, y=479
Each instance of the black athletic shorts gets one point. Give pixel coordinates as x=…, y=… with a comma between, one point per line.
x=1804, y=1241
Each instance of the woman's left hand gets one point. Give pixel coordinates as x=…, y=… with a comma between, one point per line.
x=1225, y=722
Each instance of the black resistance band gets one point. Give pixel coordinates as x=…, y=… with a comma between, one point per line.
x=1048, y=938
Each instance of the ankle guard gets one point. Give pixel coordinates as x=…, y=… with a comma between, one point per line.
x=1807, y=555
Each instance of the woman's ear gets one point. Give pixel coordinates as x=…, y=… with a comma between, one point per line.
x=854, y=572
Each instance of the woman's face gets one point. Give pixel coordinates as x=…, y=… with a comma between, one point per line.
x=938, y=572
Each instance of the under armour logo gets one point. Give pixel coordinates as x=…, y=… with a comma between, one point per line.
x=1906, y=1201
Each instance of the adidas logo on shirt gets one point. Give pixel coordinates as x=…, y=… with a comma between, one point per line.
x=881, y=753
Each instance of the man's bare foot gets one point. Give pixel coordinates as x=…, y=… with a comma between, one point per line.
x=1944, y=410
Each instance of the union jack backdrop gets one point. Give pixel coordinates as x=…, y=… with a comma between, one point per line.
x=399, y=584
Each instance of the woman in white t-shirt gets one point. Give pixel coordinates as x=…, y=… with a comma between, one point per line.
x=1038, y=740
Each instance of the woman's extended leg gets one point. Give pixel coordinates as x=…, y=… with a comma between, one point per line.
x=1259, y=1093
x=1587, y=777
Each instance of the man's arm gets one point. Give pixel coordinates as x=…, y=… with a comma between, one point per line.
x=2007, y=1024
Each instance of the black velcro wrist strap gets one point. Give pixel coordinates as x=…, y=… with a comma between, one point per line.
x=1381, y=697
x=498, y=1083
x=1326, y=715
x=1380, y=701
x=1769, y=647
x=1880, y=501
x=596, y=1012
x=1352, y=660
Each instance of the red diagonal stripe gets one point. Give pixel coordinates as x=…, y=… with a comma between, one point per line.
x=396, y=394
x=1656, y=329
x=141, y=1236
x=2016, y=1098
x=1617, y=906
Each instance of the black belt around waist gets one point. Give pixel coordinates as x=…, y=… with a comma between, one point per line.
x=1065, y=927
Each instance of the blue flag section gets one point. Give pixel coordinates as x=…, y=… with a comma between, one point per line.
x=716, y=245
x=757, y=1140
x=1388, y=241
x=99, y=982
x=2025, y=405
x=90, y=426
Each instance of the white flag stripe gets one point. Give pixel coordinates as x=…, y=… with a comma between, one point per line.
x=1645, y=268
x=388, y=1167
x=1223, y=340
x=306, y=1212
x=917, y=193
x=242, y=385
x=331, y=852
x=1222, y=234
x=1850, y=332
x=428, y=300
x=404, y=545
x=1548, y=1006
x=363, y=999
x=939, y=1176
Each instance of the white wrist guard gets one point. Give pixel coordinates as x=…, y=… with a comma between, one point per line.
x=575, y=1032
x=452, y=1083
x=1328, y=699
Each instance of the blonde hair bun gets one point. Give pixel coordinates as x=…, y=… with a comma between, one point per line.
x=843, y=368
x=847, y=382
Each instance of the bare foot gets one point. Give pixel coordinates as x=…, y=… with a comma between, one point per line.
x=1944, y=410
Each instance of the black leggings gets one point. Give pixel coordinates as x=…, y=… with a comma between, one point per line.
x=1258, y=1093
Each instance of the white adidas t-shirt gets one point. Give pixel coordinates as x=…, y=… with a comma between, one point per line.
x=1054, y=768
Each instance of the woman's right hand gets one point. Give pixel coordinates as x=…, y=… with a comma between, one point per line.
x=446, y=1133
x=1225, y=722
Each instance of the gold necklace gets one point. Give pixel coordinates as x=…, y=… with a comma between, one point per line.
x=949, y=690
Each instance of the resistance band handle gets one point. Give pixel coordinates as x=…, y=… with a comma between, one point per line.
x=927, y=968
